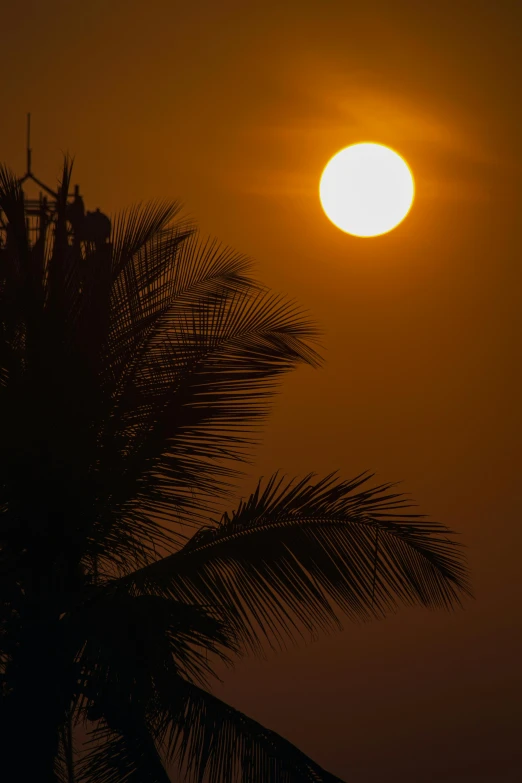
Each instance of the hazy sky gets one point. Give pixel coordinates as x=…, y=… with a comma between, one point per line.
x=235, y=108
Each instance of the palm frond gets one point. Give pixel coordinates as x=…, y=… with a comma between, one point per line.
x=211, y=741
x=175, y=269
x=122, y=753
x=135, y=227
x=298, y=555
x=65, y=758
x=194, y=403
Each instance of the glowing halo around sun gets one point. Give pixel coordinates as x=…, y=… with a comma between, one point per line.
x=366, y=189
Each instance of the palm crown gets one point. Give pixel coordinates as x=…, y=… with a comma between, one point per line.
x=133, y=375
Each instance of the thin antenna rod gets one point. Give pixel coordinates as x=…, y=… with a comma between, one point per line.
x=28, y=142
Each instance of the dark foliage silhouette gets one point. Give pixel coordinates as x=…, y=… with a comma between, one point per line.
x=135, y=368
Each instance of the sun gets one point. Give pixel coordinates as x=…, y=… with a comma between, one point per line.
x=366, y=189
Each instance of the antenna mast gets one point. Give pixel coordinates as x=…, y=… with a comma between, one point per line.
x=28, y=143
x=93, y=227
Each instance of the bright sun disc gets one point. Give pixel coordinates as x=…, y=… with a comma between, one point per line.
x=366, y=189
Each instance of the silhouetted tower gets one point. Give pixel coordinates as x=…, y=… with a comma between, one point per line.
x=92, y=227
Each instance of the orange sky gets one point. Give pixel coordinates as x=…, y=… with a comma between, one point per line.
x=235, y=108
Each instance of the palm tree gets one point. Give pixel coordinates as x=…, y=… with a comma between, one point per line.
x=133, y=375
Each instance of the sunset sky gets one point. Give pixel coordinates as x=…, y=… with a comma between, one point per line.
x=235, y=108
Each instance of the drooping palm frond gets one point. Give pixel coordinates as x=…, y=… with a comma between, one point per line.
x=64, y=763
x=211, y=741
x=122, y=753
x=297, y=554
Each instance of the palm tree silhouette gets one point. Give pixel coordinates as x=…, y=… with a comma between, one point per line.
x=133, y=374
